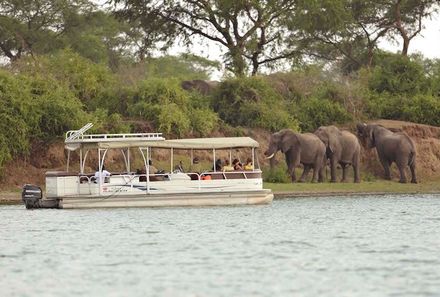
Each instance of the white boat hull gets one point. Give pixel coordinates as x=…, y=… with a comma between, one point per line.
x=169, y=200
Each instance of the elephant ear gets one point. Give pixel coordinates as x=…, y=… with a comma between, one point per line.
x=371, y=136
x=288, y=140
x=333, y=141
x=361, y=129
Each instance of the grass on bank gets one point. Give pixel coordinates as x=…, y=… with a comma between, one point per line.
x=378, y=186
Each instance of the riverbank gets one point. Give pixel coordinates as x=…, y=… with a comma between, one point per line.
x=313, y=190
x=10, y=197
x=363, y=188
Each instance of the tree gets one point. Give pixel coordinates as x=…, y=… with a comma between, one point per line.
x=252, y=31
x=351, y=29
x=408, y=15
x=98, y=36
x=343, y=28
x=29, y=26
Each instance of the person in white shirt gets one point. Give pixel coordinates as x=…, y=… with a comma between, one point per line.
x=103, y=174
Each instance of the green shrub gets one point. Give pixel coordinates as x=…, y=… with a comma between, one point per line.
x=171, y=109
x=18, y=116
x=397, y=74
x=251, y=102
x=57, y=107
x=172, y=119
x=92, y=83
x=277, y=174
x=422, y=109
x=105, y=123
x=203, y=121
x=313, y=113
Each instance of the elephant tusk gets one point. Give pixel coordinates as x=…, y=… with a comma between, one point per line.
x=271, y=156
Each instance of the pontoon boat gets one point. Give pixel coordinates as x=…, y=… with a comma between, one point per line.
x=67, y=189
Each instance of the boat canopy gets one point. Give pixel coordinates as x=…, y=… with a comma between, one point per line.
x=189, y=143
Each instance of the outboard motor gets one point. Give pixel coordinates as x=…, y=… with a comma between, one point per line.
x=31, y=196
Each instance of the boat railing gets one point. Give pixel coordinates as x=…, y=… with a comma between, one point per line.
x=74, y=136
x=132, y=179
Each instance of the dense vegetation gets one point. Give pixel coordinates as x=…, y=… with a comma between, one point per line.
x=69, y=62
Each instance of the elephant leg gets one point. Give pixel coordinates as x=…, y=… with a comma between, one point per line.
x=321, y=174
x=412, y=167
x=333, y=170
x=305, y=173
x=356, y=169
x=344, y=172
x=402, y=174
x=316, y=172
x=386, y=168
x=401, y=164
x=291, y=172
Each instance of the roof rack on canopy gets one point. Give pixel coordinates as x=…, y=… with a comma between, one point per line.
x=189, y=143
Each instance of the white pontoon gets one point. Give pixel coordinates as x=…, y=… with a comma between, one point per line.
x=66, y=189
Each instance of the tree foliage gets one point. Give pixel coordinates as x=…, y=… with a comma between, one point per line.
x=251, y=31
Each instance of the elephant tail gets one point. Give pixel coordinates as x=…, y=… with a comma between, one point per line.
x=412, y=158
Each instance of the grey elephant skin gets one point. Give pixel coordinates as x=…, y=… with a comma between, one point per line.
x=391, y=147
x=342, y=147
x=204, y=87
x=306, y=149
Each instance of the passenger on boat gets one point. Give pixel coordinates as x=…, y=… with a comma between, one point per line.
x=196, y=167
x=227, y=166
x=248, y=165
x=218, y=165
x=103, y=175
x=237, y=165
x=152, y=169
x=179, y=167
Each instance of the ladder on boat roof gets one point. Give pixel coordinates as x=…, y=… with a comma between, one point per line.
x=79, y=136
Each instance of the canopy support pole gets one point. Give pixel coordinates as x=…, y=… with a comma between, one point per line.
x=125, y=159
x=101, y=165
x=81, y=168
x=148, y=171
x=99, y=172
x=213, y=160
x=128, y=159
x=68, y=160
x=83, y=161
x=147, y=168
x=172, y=159
x=253, y=156
x=258, y=162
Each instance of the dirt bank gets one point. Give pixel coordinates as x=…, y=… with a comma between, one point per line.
x=52, y=156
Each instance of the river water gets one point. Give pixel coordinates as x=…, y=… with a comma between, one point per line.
x=333, y=246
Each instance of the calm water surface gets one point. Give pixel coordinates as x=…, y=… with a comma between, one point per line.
x=361, y=246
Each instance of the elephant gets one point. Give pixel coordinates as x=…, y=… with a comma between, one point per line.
x=306, y=149
x=391, y=147
x=341, y=147
x=204, y=87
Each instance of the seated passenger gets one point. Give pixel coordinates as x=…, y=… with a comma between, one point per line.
x=218, y=165
x=196, y=167
x=142, y=176
x=248, y=165
x=179, y=167
x=152, y=169
x=103, y=175
x=237, y=165
x=227, y=166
